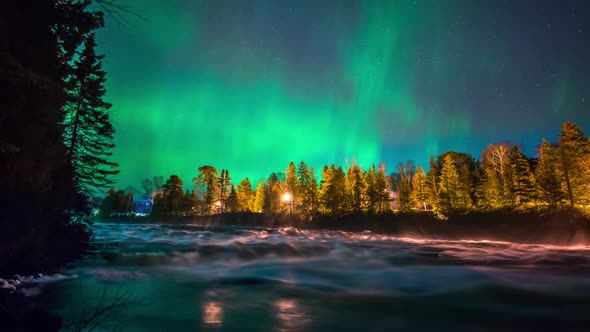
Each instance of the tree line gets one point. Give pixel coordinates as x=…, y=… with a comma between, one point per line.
x=455, y=183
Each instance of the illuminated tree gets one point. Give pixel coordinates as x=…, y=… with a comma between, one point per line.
x=382, y=189
x=419, y=189
x=291, y=184
x=497, y=184
x=573, y=147
x=403, y=186
x=224, y=183
x=273, y=189
x=259, y=199
x=523, y=180
x=245, y=196
x=206, y=182
x=548, y=177
x=373, y=197
x=306, y=188
x=357, y=187
x=432, y=182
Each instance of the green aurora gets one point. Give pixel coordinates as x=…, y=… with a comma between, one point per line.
x=252, y=85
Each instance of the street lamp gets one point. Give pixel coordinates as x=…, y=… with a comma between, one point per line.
x=218, y=205
x=287, y=199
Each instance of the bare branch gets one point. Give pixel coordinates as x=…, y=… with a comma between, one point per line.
x=118, y=11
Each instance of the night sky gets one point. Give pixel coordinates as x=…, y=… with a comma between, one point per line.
x=251, y=85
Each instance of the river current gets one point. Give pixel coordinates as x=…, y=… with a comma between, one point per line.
x=195, y=278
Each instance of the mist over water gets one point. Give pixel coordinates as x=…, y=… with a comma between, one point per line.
x=194, y=278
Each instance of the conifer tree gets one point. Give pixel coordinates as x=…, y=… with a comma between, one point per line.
x=245, y=196
x=224, y=183
x=419, y=189
x=573, y=147
x=207, y=183
x=432, y=180
x=305, y=187
x=450, y=187
x=371, y=190
x=357, y=187
x=382, y=189
x=403, y=186
x=259, y=199
x=88, y=130
x=232, y=203
x=291, y=184
x=523, y=181
x=548, y=177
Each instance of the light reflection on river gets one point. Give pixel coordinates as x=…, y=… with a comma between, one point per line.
x=195, y=278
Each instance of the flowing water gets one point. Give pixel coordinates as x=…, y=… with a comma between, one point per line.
x=194, y=278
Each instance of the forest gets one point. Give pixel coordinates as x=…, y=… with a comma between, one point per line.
x=456, y=183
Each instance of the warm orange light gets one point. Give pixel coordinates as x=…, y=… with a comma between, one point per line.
x=286, y=197
x=212, y=313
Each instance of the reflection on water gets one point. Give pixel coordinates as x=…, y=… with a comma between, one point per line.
x=212, y=313
x=306, y=280
x=290, y=316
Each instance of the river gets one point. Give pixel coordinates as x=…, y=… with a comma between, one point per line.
x=195, y=278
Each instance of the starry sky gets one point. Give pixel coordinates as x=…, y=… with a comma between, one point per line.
x=251, y=85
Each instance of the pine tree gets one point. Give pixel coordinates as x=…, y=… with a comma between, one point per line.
x=523, y=181
x=88, y=131
x=245, y=196
x=224, y=183
x=573, y=147
x=291, y=185
x=357, y=187
x=382, y=189
x=432, y=181
x=207, y=183
x=259, y=199
x=450, y=187
x=547, y=176
x=403, y=186
x=305, y=187
x=173, y=195
x=233, y=202
x=419, y=189
x=371, y=190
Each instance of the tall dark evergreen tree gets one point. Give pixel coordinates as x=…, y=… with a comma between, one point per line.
x=87, y=121
x=573, y=147
x=523, y=181
x=548, y=177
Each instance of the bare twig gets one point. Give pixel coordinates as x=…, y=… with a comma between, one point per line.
x=89, y=321
x=118, y=11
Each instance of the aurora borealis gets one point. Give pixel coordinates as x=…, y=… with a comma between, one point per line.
x=251, y=85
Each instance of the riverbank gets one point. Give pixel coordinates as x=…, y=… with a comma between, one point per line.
x=563, y=228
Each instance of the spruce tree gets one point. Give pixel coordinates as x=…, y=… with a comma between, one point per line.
x=245, y=196
x=371, y=190
x=403, y=186
x=88, y=130
x=207, y=183
x=419, y=189
x=259, y=199
x=573, y=147
x=548, y=177
x=523, y=181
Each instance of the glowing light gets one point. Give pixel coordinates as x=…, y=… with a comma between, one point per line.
x=287, y=197
x=218, y=203
x=212, y=313
x=290, y=315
